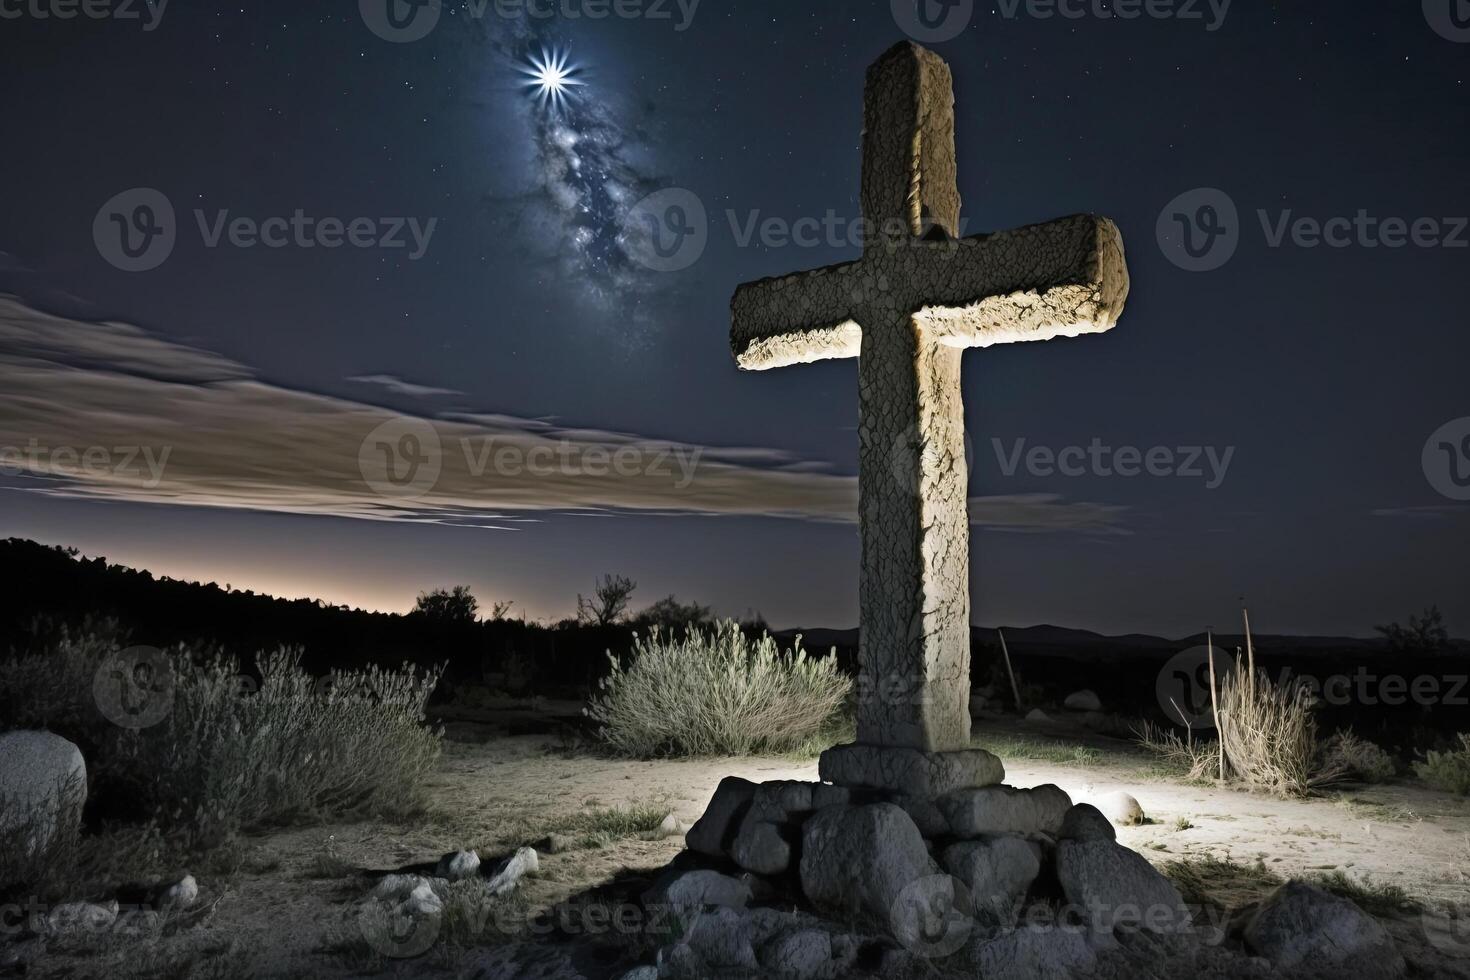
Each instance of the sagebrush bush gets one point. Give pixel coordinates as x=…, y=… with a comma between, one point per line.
x=1359, y=758
x=711, y=691
x=1448, y=771
x=229, y=755
x=1269, y=734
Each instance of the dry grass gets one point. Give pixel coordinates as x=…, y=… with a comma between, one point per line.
x=1194, y=760
x=1359, y=758
x=1448, y=771
x=713, y=692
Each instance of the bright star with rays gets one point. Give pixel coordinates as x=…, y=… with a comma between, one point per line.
x=550, y=76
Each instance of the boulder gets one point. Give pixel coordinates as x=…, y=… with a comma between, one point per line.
x=1037, y=715
x=395, y=887
x=762, y=846
x=714, y=833
x=1086, y=822
x=670, y=826
x=523, y=862
x=1114, y=887
x=520, y=961
x=43, y=786
x=857, y=860
x=998, y=810
x=909, y=771
x=1082, y=701
x=998, y=871
x=1300, y=926
x=698, y=888
x=1120, y=808
x=182, y=894
x=422, y=901
x=718, y=940
x=641, y=973
x=925, y=814
x=805, y=954
x=1034, y=953
x=458, y=865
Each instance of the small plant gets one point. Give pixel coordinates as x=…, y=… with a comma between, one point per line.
x=1195, y=760
x=714, y=692
x=1359, y=758
x=1182, y=824
x=1448, y=771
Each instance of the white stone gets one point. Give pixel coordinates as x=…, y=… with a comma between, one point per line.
x=858, y=860
x=396, y=887
x=1082, y=701
x=43, y=786
x=458, y=865
x=1300, y=926
x=182, y=894
x=523, y=862
x=1120, y=808
x=422, y=901
x=1116, y=886
x=670, y=826
x=999, y=810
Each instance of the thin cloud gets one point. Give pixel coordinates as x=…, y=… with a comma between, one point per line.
x=106, y=411
x=398, y=386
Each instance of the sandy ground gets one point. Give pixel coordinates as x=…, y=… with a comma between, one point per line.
x=287, y=913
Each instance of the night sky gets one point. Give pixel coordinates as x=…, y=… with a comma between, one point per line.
x=532, y=310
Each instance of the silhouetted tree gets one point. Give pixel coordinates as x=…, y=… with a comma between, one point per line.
x=669, y=613
x=456, y=605
x=1424, y=634
x=609, y=602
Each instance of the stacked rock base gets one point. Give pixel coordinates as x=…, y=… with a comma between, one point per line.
x=899, y=854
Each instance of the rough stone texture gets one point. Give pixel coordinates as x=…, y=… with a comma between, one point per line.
x=1120, y=808
x=1034, y=953
x=508, y=875
x=698, y=888
x=81, y=917
x=782, y=800
x=1114, y=886
x=925, y=814
x=1086, y=822
x=641, y=973
x=182, y=894
x=855, y=861
x=916, y=298
x=1082, y=701
x=457, y=865
x=423, y=901
x=1300, y=925
x=520, y=961
x=910, y=771
x=998, y=871
x=762, y=846
x=43, y=785
x=714, y=833
x=805, y=954
x=1006, y=810
x=395, y=887
x=718, y=940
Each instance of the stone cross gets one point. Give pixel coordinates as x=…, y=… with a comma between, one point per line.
x=907, y=309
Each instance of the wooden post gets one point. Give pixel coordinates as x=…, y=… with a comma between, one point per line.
x=1215, y=705
x=1015, y=691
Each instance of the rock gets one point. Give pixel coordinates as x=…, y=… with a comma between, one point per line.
x=714, y=833
x=1034, y=953
x=1037, y=715
x=671, y=826
x=1005, y=810
x=395, y=888
x=857, y=860
x=79, y=917
x=782, y=800
x=17, y=957
x=805, y=954
x=520, y=961
x=524, y=861
x=762, y=846
x=1116, y=886
x=641, y=973
x=458, y=865
x=696, y=889
x=1082, y=701
x=1086, y=822
x=1300, y=926
x=719, y=938
x=909, y=771
x=422, y=901
x=1120, y=808
x=925, y=814
x=182, y=894
x=998, y=871
x=44, y=780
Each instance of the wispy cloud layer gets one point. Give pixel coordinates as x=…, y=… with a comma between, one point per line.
x=108, y=411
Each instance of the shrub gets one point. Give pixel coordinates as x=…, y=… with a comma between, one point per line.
x=714, y=692
x=1197, y=760
x=1359, y=758
x=1448, y=771
x=1269, y=735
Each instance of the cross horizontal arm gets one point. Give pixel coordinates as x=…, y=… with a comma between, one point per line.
x=1060, y=279
x=797, y=319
